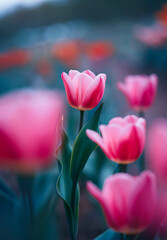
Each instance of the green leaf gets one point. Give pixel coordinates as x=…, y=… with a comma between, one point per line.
x=43, y=191
x=6, y=192
x=64, y=185
x=108, y=235
x=83, y=147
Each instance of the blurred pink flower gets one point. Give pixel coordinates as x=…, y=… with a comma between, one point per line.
x=154, y=36
x=84, y=90
x=140, y=90
x=28, y=134
x=122, y=139
x=128, y=202
x=156, y=148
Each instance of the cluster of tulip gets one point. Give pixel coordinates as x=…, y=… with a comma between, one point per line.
x=31, y=133
x=15, y=57
x=68, y=53
x=128, y=203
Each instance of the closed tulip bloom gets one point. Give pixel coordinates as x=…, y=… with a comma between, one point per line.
x=156, y=148
x=128, y=202
x=140, y=90
x=28, y=129
x=122, y=139
x=84, y=90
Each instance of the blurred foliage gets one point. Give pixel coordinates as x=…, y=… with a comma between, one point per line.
x=94, y=10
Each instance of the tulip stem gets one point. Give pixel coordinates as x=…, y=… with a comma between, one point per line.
x=141, y=114
x=142, y=158
x=122, y=168
x=131, y=236
x=73, y=197
x=81, y=120
x=25, y=184
x=121, y=236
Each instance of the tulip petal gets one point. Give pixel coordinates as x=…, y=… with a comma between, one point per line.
x=111, y=141
x=122, y=87
x=95, y=137
x=97, y=194
x=154, y=81
x=142, y=200
x=94, y=93
x=8, y=149
x=94, y=191
x=81, y=82
x=115, y=195
x=130, y=144
x=118, y=121
x=90, y=73
x=131, y=119
x=73, y=73
x=156, y=150
x=101, y=75
x=69, y=87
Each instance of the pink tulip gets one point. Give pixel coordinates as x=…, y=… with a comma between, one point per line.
x=128, y=202
x=140, y=90
x=156, y=148
x=122, y=139
x=28, y=134
x=154, y=36
x=84, y=90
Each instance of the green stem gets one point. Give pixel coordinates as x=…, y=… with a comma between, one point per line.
x=74, y=188
x=122, y=168
x=81, y=120
x=121, y=236
x=73, y=193
x=142, y=158
x=131, y=236
x=73, y=197
x=141, y=114
x=25, y=184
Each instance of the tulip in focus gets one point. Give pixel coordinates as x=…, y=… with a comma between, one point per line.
x=84, y=90
x=140, y=90
x=122, y=139
x=156, y=148
x=128, y=202
x=28, y=134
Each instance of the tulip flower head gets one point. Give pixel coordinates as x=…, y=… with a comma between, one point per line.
x=122, y=139
x=128, y=202
x=140, y=90
x=156, y=148
x=28, y=134
x=84, y=90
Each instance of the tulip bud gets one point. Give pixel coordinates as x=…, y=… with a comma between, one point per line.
x=128, y=202
x=140, y=90
x=122, y=139
x=84, y=90
x=28, y=134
